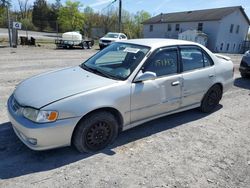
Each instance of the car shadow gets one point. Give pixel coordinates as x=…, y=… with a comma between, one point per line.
x=242, y=83
x=18, y=160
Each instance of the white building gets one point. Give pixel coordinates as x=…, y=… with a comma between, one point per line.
x=195, y=36
x=226, y=27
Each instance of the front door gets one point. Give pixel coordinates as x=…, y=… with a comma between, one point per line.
x=161, y=95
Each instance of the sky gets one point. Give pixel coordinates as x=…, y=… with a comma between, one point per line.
x=155, y=7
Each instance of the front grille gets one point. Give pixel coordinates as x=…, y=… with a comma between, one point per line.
x=106, y=41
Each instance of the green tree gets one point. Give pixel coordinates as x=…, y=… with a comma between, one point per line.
x=53, y=14
x=70, y=18
x=4, y=4
x=140, y=17
x=40, y=14
x=89, y=21
x=2, y=17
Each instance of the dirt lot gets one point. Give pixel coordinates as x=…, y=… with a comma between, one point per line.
x=188, y=149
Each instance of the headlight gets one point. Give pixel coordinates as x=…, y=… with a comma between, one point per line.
x=40, y=116
x=247, y=53
x=100, y=41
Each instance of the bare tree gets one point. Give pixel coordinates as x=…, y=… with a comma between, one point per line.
x=24, y=8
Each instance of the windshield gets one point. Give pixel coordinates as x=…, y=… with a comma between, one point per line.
x=117, y=61
x=111, y=35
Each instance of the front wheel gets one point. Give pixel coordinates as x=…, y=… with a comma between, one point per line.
x=95, y=132
x=211, y=99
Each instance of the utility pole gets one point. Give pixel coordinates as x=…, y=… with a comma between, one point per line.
x=120, y=15
x=8, y=17
x=6, y=4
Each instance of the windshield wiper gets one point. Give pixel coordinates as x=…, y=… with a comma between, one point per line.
x=85, y=67
x=97, y=71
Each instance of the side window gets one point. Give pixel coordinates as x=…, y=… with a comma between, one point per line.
x=191, y=59
x=207, y=61
x=123, y=36
x=164, y=62
x=194, y=58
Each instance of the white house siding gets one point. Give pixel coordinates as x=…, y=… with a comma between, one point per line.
x=218, y=32
x=234, y=40
x=193, y=35
x=157, y=32
x=161, y=30
x=209, y=27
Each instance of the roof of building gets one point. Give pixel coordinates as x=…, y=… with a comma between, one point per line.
x=196, y=15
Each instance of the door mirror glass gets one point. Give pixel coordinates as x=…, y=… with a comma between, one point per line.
x=145, y=76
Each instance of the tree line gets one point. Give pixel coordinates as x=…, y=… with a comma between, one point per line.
x=72, y=16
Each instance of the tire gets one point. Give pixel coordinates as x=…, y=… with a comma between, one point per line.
x=243, y=75
x=211, y=99
x=95, y=132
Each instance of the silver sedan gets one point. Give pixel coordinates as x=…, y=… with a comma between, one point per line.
x=122, y=86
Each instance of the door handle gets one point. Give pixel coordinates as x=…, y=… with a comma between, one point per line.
x=211, y=75
x=176, y=83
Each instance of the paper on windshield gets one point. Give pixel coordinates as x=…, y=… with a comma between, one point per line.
x=131, y=50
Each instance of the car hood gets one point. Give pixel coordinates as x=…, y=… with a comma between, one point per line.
x=246, y=59
x=111, y=39
x=38, y=91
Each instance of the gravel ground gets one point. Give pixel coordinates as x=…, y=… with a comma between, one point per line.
x=188, y=149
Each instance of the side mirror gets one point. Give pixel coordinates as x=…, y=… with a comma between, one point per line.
x=145, y=76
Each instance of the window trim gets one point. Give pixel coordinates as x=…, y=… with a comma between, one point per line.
x=202, y=51
x=200, y=25
x=237, y=29
x=152, y=54
x=177, y=28
x=169, y=27
x=231, y=28
x=151, y=28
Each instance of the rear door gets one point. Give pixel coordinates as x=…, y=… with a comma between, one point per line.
x=198, y=74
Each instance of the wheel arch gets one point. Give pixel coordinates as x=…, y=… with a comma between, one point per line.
x=217, y=83
x=115, y=112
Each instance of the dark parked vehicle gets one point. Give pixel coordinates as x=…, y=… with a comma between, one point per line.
x=245, y=65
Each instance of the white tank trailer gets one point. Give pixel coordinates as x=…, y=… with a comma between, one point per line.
x=73, y=40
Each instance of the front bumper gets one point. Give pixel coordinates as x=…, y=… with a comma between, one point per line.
x=42, y=136
x=244, y=70
x=103, y=45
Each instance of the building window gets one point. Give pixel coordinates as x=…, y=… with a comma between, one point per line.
x=221, y=46
x=234, y=47
x=228, y=46
x=177, y=27
x=200, y=26
x=169, y=27
x=231, y=28
x=238, y=29
x=151, y=28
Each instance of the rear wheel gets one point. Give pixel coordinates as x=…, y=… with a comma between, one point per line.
x=211, y=99
x=95, y=132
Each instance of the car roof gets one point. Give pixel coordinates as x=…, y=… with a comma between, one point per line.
x=159, y=42
x=114, y=33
